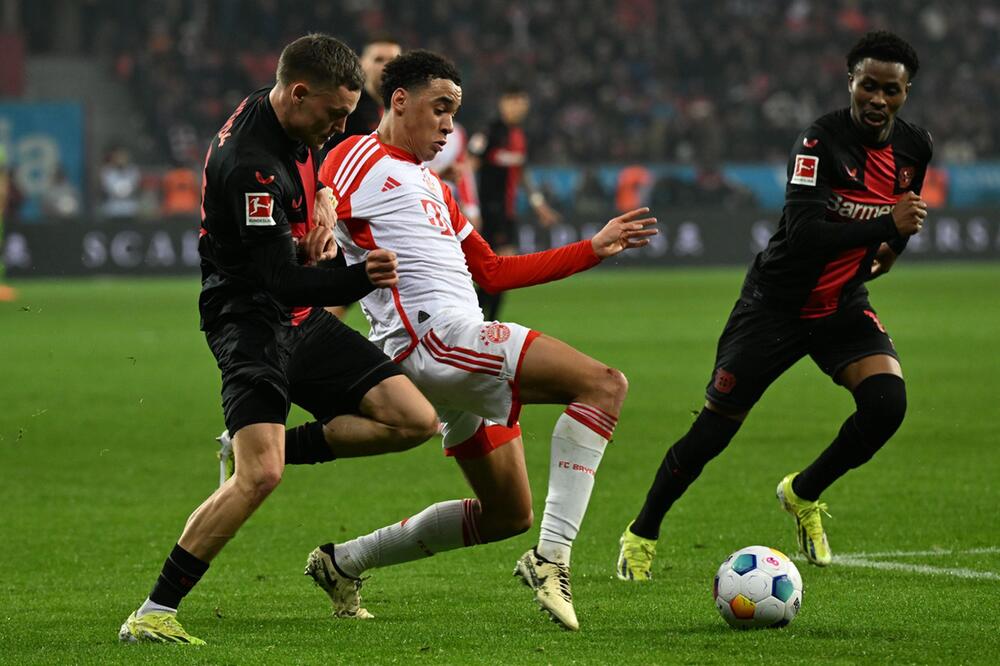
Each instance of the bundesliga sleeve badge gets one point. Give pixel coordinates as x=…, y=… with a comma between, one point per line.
x=259, y=208
x=806, y=167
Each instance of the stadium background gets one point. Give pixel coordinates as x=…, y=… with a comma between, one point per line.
x=109, y=399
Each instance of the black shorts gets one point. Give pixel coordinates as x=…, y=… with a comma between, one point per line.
x=759, y=343
x=499, y=228
x=322, y=365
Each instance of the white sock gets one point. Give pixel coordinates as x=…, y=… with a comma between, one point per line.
x=149, y=606
x=578, y=442
x=439, y=527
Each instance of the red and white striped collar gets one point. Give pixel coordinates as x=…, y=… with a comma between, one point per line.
x=395, y=151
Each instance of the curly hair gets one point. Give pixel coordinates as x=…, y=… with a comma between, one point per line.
x=415, y=69
x=321, y=60
x=887, y=47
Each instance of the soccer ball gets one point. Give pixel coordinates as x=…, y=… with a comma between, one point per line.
x=757, y=587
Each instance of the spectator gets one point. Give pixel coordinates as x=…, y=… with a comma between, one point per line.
x=61, y=199
x=120, y=180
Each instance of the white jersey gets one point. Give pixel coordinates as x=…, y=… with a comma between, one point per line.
x=388, y=199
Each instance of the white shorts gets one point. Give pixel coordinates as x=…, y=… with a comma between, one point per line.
x=468, y=369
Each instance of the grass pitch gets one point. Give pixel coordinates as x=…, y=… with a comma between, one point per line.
x=109, y=403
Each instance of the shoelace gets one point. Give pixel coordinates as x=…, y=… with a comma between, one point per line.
x=811, y=514
x=562, y=576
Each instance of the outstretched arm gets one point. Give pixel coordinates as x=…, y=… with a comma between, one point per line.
x=495, y=273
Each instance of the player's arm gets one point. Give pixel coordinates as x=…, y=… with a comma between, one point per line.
x=807, y=193
x=266, y=235
x=916, y=186
x=496, y=273
x=547, y=215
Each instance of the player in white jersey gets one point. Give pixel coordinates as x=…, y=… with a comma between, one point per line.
x=476, y=373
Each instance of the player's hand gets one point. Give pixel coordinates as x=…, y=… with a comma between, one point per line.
x=325, y=209
x=548, y=216
x=381, y=268
x=318, y=245
x=624, y=232
x=909, y=214
x=884, y=259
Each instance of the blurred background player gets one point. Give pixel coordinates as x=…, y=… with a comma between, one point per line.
x=501, y=155
x=258, y=214
x=365, y=119
x=455, y=169
x=851, y=203
x=377, y=51
x=476, y=373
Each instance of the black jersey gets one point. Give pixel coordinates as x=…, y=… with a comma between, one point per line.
x=502, y=153
x=838, y=210
x=259, y=191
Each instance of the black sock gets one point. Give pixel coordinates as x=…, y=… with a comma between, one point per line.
x=708, y=436
x=490, y=303
x=881, y=403
x=306, y=445
x=181, y=572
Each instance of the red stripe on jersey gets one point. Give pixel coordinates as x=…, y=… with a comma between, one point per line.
x=825, y=296
x=299, y=314
x=465, y=350
x=406, y=324
x=457, y=219
x=355, y=171
x=361, y=232
x=880, y=174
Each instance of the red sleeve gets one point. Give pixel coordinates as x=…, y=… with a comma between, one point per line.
x=495, y=274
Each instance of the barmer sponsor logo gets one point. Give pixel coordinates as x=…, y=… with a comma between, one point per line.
x=856, y=210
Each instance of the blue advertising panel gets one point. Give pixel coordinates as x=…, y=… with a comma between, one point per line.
x=39, y=139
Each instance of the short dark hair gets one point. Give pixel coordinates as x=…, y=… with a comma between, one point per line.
x=322, y=60
x=381, y=38
x=887, y=47
x=513, y=90
x=415, y=69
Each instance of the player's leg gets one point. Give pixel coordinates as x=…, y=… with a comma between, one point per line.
x=755, y=348
x=855, y=350
x=363, y=403
x=499, y=478
x=258, y=450
x=252, y=356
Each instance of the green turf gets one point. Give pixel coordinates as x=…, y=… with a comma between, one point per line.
x=109, y=402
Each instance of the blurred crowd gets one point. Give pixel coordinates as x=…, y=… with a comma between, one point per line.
x=698, y=82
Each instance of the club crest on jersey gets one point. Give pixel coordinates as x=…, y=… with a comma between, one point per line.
x=259, y=208
x=806, y=167
x=496, y=333
x=905, y=177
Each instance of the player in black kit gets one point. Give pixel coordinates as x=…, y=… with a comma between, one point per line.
x=851, y=203
x=272, y=347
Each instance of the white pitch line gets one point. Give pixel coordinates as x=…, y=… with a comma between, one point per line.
x=926, y=553
x=915, y=568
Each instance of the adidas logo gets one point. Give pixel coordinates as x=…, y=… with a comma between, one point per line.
x=390, y=184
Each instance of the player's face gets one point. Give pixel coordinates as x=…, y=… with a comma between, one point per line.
x=428, y=117
x=373, y=59
x=878, y=91
x=320, y=113
x=513, y=108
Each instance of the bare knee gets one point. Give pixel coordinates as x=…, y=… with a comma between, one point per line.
x=499, y=525
x=606, y=389
x=417, y=429
x=259, y=483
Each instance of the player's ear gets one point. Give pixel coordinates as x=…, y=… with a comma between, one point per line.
x=399, y=99
x=299, y=91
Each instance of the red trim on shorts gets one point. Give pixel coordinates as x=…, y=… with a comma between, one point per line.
x=515, y=384
x=464, y=350
x=484, y=441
